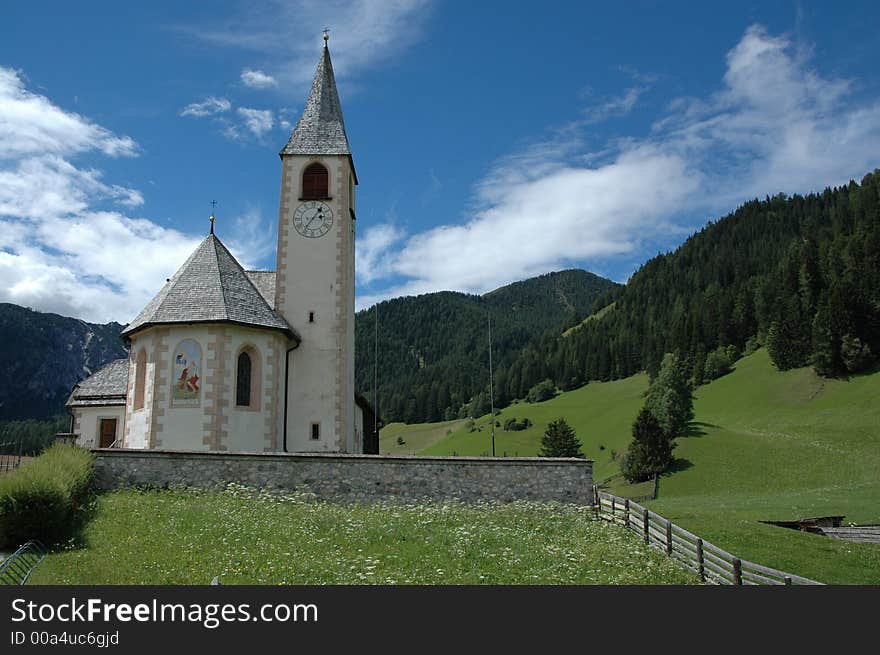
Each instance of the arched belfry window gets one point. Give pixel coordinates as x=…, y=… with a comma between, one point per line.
x=243, y=381
x=316, y=183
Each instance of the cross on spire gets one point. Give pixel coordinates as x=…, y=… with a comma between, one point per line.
x=326, y=35
x=212, y=219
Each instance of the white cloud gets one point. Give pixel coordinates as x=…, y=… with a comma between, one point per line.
x=373, y=249
x=251, y=237
x=257, y=79
x=30, y=124
x=61, y=249
x=245, y=123
x=774, y=125
x=612, y=107
x=363, y=33
x=210, y=106
x=256, y=121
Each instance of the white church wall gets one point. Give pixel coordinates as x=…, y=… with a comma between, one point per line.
x=190, y=403
x=88, y=423
x=137, y=421
x=255, y=428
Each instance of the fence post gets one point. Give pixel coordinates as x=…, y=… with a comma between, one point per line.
x=700, y=559
x=668, y=537
x=626, y=513
x=737, y=571
x=645, y=525
x=613, y=509
x=787, y=580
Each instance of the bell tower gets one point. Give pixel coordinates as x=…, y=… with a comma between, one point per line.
x=314, y=289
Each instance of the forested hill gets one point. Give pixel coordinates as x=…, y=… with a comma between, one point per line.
x=799, y=274
x=433, y=348
x=43, y=355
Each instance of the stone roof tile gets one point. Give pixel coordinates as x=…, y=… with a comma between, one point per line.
x=106, y=386
x=210, y=287
x=320, y=130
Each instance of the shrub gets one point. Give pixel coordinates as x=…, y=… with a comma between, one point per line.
x=400, y=441
x=540, y=392
x=752, y=344
x=559, y=440
x=856, y=355
x=512, y=425
x=719, y=362
x=46, y=499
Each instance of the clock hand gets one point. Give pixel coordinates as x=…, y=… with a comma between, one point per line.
x=317, y=213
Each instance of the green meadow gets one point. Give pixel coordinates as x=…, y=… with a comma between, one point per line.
x=764, y=445
x=189, y=536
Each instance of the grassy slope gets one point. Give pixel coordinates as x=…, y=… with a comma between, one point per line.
x=601, y=414
x=766, y=445
x=416, y=437
x=773, y=445
x=592, y=317
x=177, y=537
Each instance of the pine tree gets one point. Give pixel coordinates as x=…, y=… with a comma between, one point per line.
x=650, y=451
x=670, y=398
x=559, y=440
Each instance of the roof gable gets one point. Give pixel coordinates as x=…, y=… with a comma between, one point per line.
x=211, y=286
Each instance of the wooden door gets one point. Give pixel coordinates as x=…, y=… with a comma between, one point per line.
x=108, y=432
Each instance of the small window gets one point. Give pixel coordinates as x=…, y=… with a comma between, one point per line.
x=243, y=381
x=140, y=379
x=311, y=317
x=316, y=183
x=316, y=431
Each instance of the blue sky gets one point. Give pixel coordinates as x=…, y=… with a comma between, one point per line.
x=493, y=140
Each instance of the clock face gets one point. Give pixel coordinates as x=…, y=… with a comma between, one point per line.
x=313, y=219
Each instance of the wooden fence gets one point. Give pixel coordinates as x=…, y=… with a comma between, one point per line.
x=703, y=558
x=869, y=534
x=10, y=455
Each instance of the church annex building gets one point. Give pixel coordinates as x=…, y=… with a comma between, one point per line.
x=225, y=359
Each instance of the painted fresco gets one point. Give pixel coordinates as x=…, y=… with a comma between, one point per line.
x=187, y=385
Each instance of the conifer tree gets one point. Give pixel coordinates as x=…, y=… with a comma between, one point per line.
x=559, y=440
x=670, y=399
x=650, y=451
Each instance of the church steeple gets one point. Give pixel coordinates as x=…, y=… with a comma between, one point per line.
x=320, y=130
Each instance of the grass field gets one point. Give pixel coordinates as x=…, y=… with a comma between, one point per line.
x=764, y=445
x=188, y=537
x=601, y=414
x=416, y=437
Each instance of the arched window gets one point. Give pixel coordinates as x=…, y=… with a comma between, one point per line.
x=316, y=183
x=243, y=381
x=140, y=378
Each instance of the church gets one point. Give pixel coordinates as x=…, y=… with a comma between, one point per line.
x=227, y=359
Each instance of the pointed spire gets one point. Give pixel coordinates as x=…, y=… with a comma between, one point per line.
x=320, y=130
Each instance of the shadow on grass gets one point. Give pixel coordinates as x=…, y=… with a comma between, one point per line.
x=695, y=429
x=678, y=464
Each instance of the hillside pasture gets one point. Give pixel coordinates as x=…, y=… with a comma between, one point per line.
x=764, y=445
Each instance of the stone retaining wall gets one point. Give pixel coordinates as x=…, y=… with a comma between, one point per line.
x=359, y=478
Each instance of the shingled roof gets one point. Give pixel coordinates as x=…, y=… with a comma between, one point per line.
x=320, y=130
x=106, y=386
x=265, y=283
x=211, y=287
